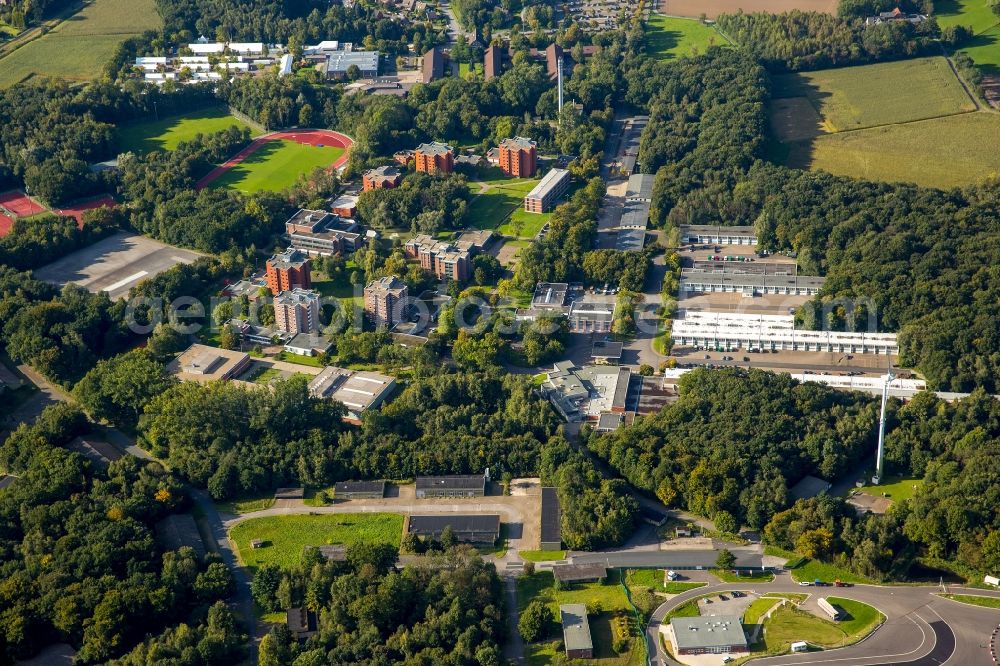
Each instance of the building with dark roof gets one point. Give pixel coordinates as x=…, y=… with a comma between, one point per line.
x=288, y=270
x=711, y=634
x=467, y=528
x=432, y=66
x=301, y=622
x=434, y=157
x=494, y=62
x=551, y=532
x=319, y=232
x=606, y=353
x=579, y=573
x=576, y=631
x=348, y=490
x=458, y=485
x=381, y=178
x=591, y=316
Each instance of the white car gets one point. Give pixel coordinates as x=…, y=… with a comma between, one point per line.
x=804, y=583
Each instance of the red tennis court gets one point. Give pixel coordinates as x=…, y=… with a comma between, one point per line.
x=78, y=209
x=20, y=203
x=5, y=224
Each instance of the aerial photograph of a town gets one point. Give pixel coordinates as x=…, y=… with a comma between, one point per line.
x=500, y=332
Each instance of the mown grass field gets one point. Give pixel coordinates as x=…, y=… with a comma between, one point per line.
x=285, y=537
x=493, y=207
x=787, y=625
x=975, y=14
x=670, y=37
x=851, y=98
x=167, y=133
x=611, y=599
x=655, y=580
x=942, y=152
x=897, y=489
x=975, y=600
x=984, y=49
x=276, y=165
x=80, y=46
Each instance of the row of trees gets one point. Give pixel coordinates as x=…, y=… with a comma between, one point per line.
x=79, y=560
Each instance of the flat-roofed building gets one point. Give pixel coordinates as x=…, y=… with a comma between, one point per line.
x=606, y=353
x=474, y=240
x=519, y=157
x=308, y=344
x=718, y=234
x=729, y=278
x=434, y=157
x=543, y=197
x=446, y=260
x=301, y=622
x=591, y=316
x=339, y=62
x=349, y=490
x=201, y=363
x=579, y=573
x=455, y=485
x=551, y=295
x=578, y=642
x=296, y=311
x=320, y=232
x=551, y=525
x=467, y=528
x=585, y=393
x=381, y=178
x=385, y=300
x=358, y=390
x=640, y=187
x=710, y=634
x=288, y=270
x=346, y=205
x=432, y=65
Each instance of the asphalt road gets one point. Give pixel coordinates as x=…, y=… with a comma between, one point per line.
x=921, y=628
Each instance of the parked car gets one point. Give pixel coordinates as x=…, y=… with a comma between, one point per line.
x=737, y=594
x=746, y=359
x=804, y=583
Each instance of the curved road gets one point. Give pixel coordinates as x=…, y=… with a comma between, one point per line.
x=921, y=629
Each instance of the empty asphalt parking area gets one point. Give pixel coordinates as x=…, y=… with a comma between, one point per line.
x=115, y=264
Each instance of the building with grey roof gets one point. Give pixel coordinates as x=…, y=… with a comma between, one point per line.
x=202, y=363
x=712, y=634
x=749, y=284
x=551, y=526
x=456, y=485
x=550, y=295
x=808, y=487
x=579, y=573
x=338, y=62
x=588, y=315
x=543, y=197
x=640, y=187
x=468, y=528
x=717, y=233
x=584, y=393
x=576, y=631
x=607, y=352
x=348, y=490
x=358, y=390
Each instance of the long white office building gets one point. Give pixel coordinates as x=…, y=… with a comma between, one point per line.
x=731, y=331
x=718, y=234
x=694, y=281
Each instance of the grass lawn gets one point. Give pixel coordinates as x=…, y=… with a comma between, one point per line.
x=975, y=600
x=609, y=597
x=732, y=577
x=492, y=208
x=167, y=133
x=687, y=609
x=79, y=47
x=464, y=68
x=850, y=98
x=669, y=37
x=276, y=165
x=654, y=579
x=522, y=224
x=311, y=496
x=301, y=360
x=285, y=537
x=327, y=287
x=542, y=555
x=859, y=618
x=247, y=504
x=811, y=570
x=787, y=625
x=943, y=152
x=984, y=49
x=975, y=14
x=758, y=608
x=897, y=488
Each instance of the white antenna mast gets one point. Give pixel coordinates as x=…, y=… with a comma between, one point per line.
x=560, y=68
x=880, y=453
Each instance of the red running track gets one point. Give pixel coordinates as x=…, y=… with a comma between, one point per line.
x=314, y=137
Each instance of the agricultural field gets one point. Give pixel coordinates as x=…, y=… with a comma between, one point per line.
x=609, y=597
x=712, y=8
x=81, y=45
x=851, y=98
x=942, y=152
x=275, y=165
x=167, y=133
x=285, y=537
x=671, y=37
x=975, y=14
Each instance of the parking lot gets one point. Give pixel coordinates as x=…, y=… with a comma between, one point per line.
x=115, y=264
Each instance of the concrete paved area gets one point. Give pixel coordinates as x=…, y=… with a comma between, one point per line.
x=115, y=264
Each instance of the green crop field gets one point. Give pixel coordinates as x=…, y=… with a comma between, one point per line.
x=669, y=37
x=851, y=98
x=943, y=152
x=276, y=165
x=80, y=46
x=975, y=14
x=285, y=537
x=167, y=133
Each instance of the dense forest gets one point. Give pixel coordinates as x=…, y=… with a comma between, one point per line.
x=78, y=556
x=368, y=612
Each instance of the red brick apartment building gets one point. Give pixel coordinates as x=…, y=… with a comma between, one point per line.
x=288, y=270
x=382, y=178
x=434, y=157
x=518, y=157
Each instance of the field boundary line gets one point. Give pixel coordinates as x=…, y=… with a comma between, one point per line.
x=31, y=34
x=871, y=127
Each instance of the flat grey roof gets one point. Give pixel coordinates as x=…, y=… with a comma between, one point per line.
x=571, y=572
x=609, y=421
x=551, y=527
x=809, y=486
x=458, y=522
x=359, y=487
x=635, y=215
x=592, y=310
x=749, y=280
x=708, y=631
x=452, y=482
x=630, y=240
x=576, y=627
x=339, y=61
x=550, y=294
x=604, y=349
x=640, y=186
x=717, y=228
x=669, y=559
x=548, y=183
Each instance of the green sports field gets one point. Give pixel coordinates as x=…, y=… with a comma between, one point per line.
x=276, y=165
x=852, y=98
x=285, y=537
x=943, y=152
x=670, y=37
x=79, y=47
x=165, y=134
